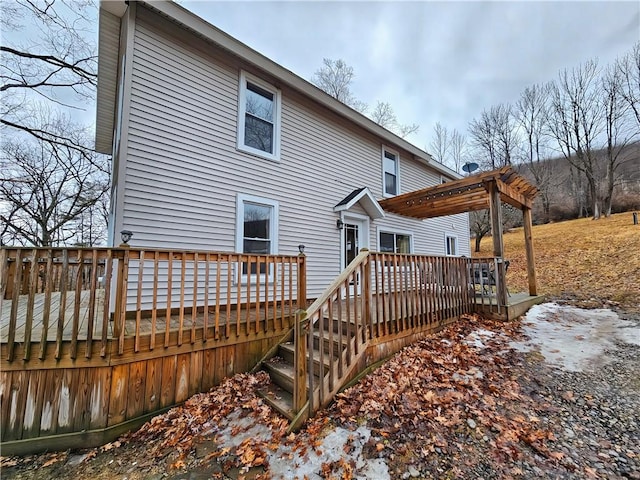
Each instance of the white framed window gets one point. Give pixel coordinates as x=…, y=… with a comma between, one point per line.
x=256, y=228
x=390, y=172
x=451, y=244
x=259, y=117
x=395, y=242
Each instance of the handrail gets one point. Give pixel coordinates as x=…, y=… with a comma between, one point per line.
x=330, y=370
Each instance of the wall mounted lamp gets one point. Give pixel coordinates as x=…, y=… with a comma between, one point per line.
x=126, y=235
x=301, y=248
x=339, y=224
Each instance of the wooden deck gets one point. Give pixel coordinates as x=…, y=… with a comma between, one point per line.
x=147, y=324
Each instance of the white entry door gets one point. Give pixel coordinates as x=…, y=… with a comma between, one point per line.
x=355, y=236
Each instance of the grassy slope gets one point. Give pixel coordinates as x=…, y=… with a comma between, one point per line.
x=579, y=258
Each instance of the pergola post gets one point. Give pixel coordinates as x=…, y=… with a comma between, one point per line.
x=528, y=246
x=495, y=208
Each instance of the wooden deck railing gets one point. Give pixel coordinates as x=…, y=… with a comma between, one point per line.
x=379, y=296
x=74, y=302
x=488, y=282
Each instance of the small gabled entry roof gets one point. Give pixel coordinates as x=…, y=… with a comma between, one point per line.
x=366, y=199
x=464, y=195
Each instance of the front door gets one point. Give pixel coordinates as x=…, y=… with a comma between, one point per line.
x=351, y=242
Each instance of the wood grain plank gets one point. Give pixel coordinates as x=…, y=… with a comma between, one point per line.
x=182, y=377
x=153, y=385
x=137, y=389
x=118, y=395
x=168, y=388
x=100, y=379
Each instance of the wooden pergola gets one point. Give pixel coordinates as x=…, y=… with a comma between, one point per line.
x=485, y=190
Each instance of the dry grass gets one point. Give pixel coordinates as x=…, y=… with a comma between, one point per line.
x=582, y=258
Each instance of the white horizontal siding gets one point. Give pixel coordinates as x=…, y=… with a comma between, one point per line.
x=184, y=171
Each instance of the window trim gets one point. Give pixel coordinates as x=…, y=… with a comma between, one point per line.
x=447, y=236
x=242, y=105
x=241, y=199
x=397, y=172
x=396, y=232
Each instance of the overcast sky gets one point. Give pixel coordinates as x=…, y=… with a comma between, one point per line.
x=433, y=61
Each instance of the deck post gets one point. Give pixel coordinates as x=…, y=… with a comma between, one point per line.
x=496, y=235
x=300, y=338
x=119, y=315
x=300, y=330
x=528, y=244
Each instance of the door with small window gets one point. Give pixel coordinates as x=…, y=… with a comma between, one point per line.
x=355, y=236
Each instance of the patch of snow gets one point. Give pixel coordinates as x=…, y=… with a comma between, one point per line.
x=575, y=339
x=478, y=337
x=286, y=463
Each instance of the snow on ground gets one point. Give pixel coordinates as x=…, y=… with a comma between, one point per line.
x=286, y=463
x=575, y=339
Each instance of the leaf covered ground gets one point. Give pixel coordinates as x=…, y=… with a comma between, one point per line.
x=456, y=405
x=587, y=260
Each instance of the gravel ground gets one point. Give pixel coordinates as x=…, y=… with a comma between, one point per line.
x=575, y=375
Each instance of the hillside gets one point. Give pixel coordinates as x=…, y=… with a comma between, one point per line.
x=583, y=259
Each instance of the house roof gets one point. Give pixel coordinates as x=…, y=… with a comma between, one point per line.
x=108, y=44
x=463, y=195
x=366, y=199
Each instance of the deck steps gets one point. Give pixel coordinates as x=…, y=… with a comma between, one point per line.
x=280, y=367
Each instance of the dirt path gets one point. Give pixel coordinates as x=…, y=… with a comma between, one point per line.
x=556, y=395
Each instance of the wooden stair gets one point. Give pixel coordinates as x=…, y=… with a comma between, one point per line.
x=279, y=393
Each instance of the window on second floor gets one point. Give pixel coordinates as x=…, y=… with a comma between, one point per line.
x=390, y=173
x=259, y=118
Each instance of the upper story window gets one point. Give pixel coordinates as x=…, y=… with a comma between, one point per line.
x=395, y=242
x=451, y=245
x=259, y=117
x=390, y=172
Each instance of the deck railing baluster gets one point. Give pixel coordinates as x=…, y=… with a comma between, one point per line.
x=93, y=285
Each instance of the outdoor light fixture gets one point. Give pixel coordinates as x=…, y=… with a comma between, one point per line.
x=126, y=236
x=340, y=224
x=301, y=248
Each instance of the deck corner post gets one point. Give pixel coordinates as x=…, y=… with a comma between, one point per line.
x=121, y=299
x=528, y=243
x=300, y=331
x=302, y=281
x=495, y=208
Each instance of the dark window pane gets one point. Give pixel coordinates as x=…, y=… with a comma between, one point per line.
x=256, y=221
x=258, y=134
x=389, y=155
x=259, y=102
x=390, y=183
x=261, y=247
x=386, y=242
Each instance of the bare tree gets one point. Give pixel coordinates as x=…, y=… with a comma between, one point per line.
x=448, y=147
x=531, y=112
x=480, y=225
x=458, y=150
x=384, y=116
x=335, y=78
x=494, y=135
x=619, y=130
x=628, y=68
x=440, y=143
x=56, y=65
x=47, y=190
x=575, y=122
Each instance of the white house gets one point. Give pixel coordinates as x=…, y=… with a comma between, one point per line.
x=216, y=147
